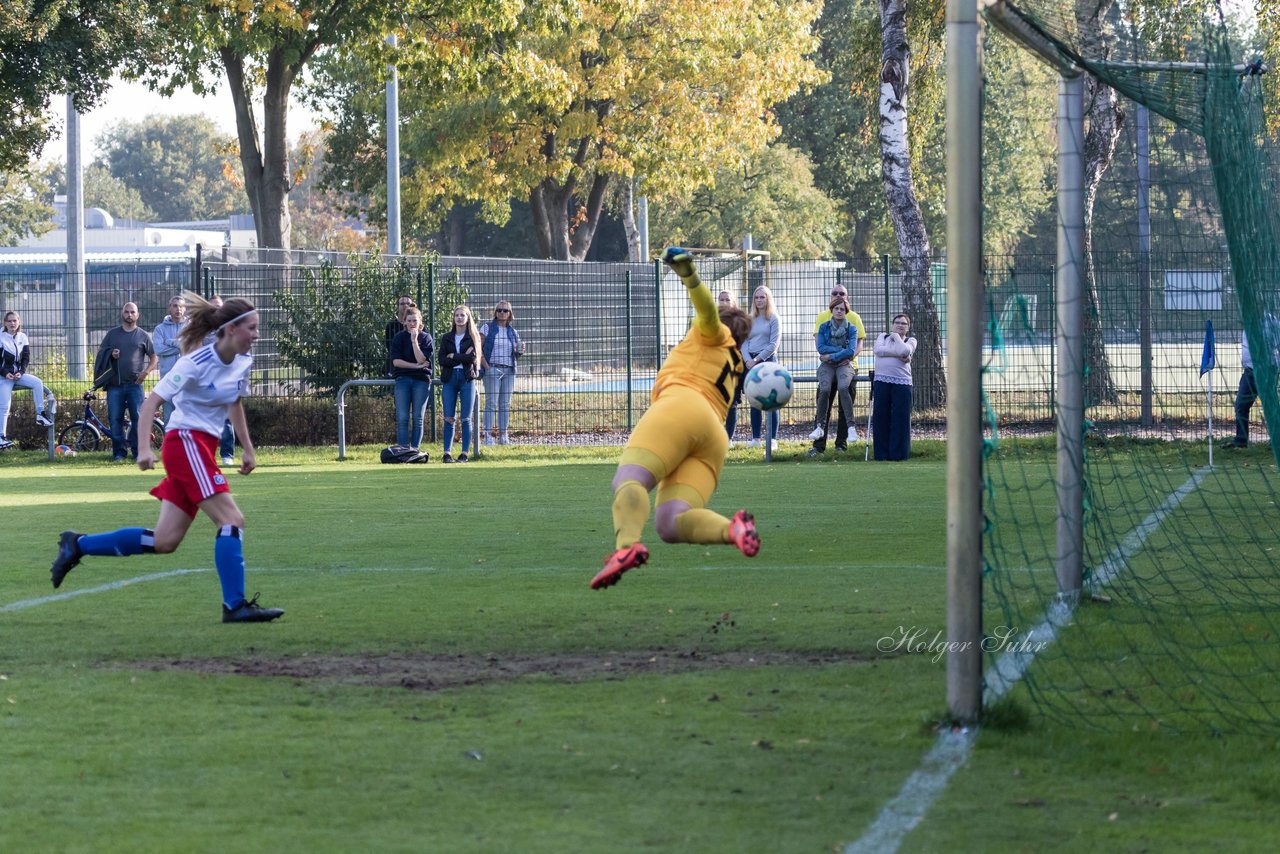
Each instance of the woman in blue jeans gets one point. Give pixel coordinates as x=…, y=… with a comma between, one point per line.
x=411, y=366
x=501, y=348
x=459, y=367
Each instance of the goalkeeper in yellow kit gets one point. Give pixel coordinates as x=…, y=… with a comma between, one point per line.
x=680, y=443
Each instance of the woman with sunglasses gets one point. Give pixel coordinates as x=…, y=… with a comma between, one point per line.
x=411, y=351
x=500, y=350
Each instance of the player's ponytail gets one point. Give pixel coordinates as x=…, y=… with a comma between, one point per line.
x=205, y=318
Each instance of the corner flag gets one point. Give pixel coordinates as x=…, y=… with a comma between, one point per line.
x=1209, y=358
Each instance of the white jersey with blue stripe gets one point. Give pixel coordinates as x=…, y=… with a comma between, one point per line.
x=201, y=387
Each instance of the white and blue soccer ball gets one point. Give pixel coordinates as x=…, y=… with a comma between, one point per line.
x=768, y=386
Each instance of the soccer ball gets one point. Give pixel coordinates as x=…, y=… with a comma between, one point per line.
x=64, y=451
x=768, y=386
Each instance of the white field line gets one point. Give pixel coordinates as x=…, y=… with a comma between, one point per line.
x=173, y=573
x=951, y=749
x=102, y=588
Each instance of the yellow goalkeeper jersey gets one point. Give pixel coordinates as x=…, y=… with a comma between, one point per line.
x=707, y=359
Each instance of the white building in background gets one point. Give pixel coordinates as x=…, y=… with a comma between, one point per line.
x=104, y=232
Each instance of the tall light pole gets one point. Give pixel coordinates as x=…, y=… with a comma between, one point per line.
x=393, y=154
x=73, y=295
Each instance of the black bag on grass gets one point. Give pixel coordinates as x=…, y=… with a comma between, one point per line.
x=402, y=454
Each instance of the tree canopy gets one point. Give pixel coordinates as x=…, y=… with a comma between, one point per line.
x=24, y=204
x=553, y=110
x=262, y=50
x=176, y=164
x=769, y=195
x=52, y=47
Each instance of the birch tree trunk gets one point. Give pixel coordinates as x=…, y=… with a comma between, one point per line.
x=1105, y=118
x=904, y=208
x=629, y=227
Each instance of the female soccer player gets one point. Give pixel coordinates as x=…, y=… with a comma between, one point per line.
x=680, y=442
x=205, y=386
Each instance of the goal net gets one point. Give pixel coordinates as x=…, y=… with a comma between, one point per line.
x=1177, y=625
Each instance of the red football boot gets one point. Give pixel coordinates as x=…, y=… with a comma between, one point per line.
x=619, y=562
x=742, y=533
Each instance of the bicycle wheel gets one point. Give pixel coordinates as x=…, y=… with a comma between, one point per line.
x=80, y=437
x=157, y=434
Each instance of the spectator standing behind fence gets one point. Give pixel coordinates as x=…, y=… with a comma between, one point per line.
x=1247, y=390
x=165, y=340
x=844, y=430
x=411, y=352
x=404, y=302
x=124, y=360
x=891, y=392
x=762, y=346
x=726, y=299
x=207, y=384
x=227, y=442
x=837, y=345
x=459, y=368
x=500, y=350
x=15, y=355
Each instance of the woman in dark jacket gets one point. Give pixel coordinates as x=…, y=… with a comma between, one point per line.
x=411, y=366
x=459, y=368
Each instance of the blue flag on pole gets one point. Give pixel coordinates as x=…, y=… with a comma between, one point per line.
x=1209, y=358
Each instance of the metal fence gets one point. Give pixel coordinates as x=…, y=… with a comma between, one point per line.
x=597, y=332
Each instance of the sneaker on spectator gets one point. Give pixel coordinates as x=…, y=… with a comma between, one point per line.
x=228, y=461
x=42, y=420
x=754, y=443
x=5, y=444
x=463, y=458
x=818, y=432
x=504, y=439
x=448, y=457
x=771, y=445
x=488, y=440
x=619, y=562
x=814, y=453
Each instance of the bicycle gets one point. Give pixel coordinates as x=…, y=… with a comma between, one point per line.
x=90, y=432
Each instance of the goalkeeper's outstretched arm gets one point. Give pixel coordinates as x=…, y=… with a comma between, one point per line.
x=704, y=305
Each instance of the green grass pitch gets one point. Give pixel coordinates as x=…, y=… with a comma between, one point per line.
x=445, y=680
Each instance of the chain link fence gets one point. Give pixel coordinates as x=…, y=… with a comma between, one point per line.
x=596, y=333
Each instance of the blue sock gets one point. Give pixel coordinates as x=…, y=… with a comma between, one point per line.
x=228, y=557
x=121, y=543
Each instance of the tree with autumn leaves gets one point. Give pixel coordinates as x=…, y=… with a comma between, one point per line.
x=561, y=108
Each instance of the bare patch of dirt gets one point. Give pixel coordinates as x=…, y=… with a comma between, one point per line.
x=439, y=672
